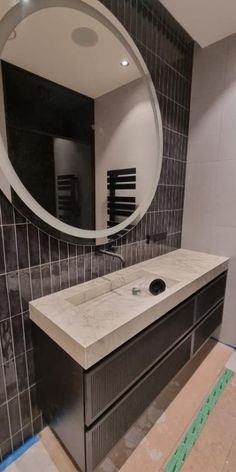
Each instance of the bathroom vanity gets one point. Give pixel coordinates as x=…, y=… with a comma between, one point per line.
x=103, y=354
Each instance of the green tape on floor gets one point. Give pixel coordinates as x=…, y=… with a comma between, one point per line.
x=176, y=462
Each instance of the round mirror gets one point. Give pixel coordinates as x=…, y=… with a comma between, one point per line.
x=81, y=134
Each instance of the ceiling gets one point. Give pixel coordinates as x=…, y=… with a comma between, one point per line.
x=44, y=45
x=207, y=21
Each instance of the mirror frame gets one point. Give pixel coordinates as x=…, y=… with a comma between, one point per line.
x=94, y=8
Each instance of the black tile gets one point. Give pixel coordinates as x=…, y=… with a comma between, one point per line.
x=18, y=336
x=64, y=266
x=120, y=12
x=6, y=210
x=36, y=282
x=44, y=247
x=88, y=267
x=81, y=269
x=131, y=16
x=46, y=279
x=14, y=293
x=10, y=248
x=22, y=246
x=17, y=440
x=95, y=266
x=11, y=379
x=4, y=430
x=25, y=408
x=4, y=305
x=2, y=262
x=72, y=250
x=6, y=340
x=28, y=330
x=6, y=448
x=34, y=402
x=25, y=288
x=37, y=425
x=80, y=250
x=27, y=431
x=54, y=249
x=33, y=235
x=2, y=388
x=19, y=218
x=31, y=367
x=21, y=372
x=56, y=280
x=63, y=250
x=14, y=413
x=72, y=272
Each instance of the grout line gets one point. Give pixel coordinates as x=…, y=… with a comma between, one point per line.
x=18, y=356
x=158, y=91
x=171, y=185
x=1, y=355
x=139, y=41
x=174, y=159
x=25, y=355
x=17, y=396
x=175, y=131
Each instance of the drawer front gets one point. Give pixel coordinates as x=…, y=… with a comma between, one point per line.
x=106, y=382
x=104, y=435
x=208, y=326
x=210, y=296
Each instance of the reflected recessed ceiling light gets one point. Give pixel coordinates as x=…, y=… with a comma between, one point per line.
x=124, y=63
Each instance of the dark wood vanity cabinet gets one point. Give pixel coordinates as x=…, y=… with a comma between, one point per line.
x=91, y=410
x=108, y=380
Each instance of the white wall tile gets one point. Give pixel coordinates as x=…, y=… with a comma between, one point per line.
x=227, y=148
x=209, y=222
x=225, y=193
x=205, y=125
x=230, y=74
x=200, y=190
x=209, y=69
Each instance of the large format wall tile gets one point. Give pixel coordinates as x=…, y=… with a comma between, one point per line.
x=209, y=222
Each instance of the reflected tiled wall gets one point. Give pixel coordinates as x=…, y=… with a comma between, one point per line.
x=33, y=264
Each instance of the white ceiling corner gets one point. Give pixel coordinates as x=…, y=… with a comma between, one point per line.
x=207, y=21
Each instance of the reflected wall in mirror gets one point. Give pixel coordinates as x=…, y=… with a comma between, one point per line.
x=80, y=121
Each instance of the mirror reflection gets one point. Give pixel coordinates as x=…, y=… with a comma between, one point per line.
x=79, y=123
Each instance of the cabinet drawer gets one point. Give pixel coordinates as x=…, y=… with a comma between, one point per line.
x=106, y=382
x=103, y=436
x=208, y=326
x=210, y=296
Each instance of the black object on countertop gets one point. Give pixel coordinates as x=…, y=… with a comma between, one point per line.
x=157, y=286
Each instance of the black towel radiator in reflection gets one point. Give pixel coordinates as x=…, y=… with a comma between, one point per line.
x=121, y=183
x=67, y=196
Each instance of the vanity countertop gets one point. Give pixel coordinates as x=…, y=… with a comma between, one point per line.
x=92, y=319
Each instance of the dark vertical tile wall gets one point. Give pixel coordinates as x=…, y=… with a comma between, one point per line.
x=33, y=264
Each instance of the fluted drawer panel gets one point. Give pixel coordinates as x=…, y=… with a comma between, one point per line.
x=103, y=436
x=210, y=295
x=208, y=326
x=106, y=382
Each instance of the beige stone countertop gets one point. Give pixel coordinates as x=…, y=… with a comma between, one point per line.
x=92, y=319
